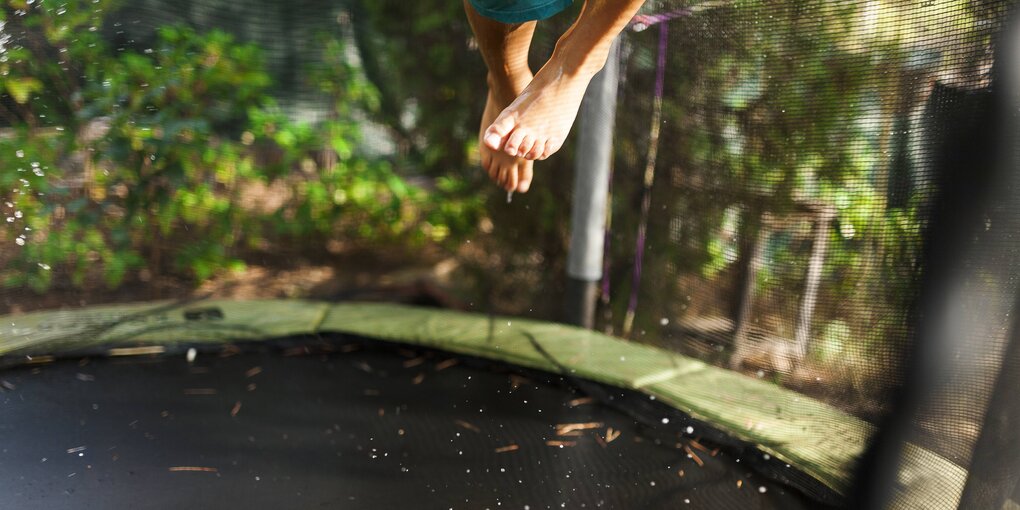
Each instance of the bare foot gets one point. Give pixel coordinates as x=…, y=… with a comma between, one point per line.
x=509, y=172
x=535, y=124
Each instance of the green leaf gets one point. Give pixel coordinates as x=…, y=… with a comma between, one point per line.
x=22, y=88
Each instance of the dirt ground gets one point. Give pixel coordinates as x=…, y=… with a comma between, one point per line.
x=425, y=278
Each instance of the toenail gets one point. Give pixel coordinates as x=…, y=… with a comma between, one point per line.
x=492, y=140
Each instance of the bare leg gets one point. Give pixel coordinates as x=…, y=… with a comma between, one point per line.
x=505, y=51
x=536, y=123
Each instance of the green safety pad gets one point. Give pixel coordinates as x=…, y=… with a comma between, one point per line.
x=585, y=353
x=818, y=439
x=240, y=320
x=464, y=333
x=159, y=322
x=55, y=330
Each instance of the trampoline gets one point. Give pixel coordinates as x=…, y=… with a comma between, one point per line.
x=321, y=401
x=340, y=422
x=248, y=260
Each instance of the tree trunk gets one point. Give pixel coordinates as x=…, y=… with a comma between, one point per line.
x=747, y=236
x=753, y=241
x=820, y=244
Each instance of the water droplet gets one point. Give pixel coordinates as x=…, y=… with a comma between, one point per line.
x=665, y=421
x=762, y=489
x=689, y=429
x=664, y=321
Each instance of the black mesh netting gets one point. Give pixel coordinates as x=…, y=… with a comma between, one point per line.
x=801, y=147
x=832, y=208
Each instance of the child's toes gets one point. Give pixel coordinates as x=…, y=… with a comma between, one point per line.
x=551, y=146
x=512, y=179
x=513, y=142
x=526, y=145
x=498, y=175
x=536, y=151
x=505, y=174
x=495, y=134
x=524, y=175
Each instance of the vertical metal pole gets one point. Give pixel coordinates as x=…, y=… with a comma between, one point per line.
x=591, y=188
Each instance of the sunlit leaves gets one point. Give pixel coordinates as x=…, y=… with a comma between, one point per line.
x=21, y=88
x=180, y=133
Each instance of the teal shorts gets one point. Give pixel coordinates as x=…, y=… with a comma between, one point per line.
x=519, y=11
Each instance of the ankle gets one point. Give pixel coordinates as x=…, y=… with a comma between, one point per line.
x=508, y=82
x=575, y=57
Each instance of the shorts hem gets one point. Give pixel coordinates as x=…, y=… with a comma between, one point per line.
x=535, y=13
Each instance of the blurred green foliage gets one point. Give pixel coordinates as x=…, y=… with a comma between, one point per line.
x=156, y=158
x=774, y=113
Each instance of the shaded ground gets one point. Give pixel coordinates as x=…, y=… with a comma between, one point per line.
x=345, y=275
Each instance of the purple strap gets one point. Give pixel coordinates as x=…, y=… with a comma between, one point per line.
x=644, y=21
x=660, y=69
x=639, y=23
x=646, y=198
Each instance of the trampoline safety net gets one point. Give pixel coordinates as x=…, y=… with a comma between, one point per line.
x=786, y=233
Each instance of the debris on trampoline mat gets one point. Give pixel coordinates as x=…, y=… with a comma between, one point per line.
x=348, y=425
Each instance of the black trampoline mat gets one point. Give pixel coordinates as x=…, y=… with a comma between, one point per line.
x=368, y=426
